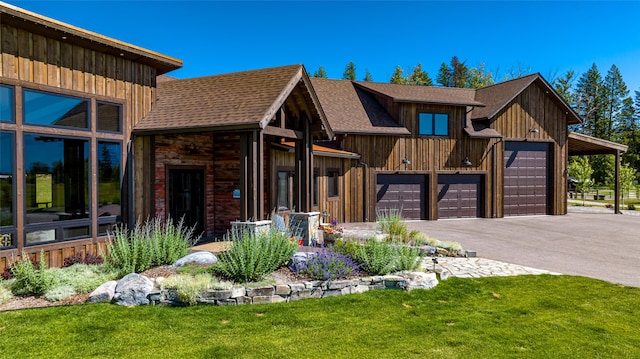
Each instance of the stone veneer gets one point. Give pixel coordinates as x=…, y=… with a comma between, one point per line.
x=287, y=292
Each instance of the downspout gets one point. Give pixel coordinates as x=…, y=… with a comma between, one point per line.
x=130, y=182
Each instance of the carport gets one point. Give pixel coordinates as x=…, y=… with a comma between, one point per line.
x=583, y=145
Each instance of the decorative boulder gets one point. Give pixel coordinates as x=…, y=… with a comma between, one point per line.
x=298, y=259
x=103, y=293
x=201, y=258
x=133, y=290
x=420, y=280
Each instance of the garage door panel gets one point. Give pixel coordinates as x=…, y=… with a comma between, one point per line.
x=459, y=196
x=405, y=192
x=526, y=178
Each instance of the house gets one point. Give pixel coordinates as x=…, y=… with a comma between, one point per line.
x=69, y=100
x=440, y=153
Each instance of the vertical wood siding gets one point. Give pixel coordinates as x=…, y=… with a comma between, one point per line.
x=29, y=59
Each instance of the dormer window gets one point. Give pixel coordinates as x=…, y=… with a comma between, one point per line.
x=433, y=124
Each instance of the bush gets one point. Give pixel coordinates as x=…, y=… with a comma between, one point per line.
x=253, y=256
x=632, y=207
x=375, y=257
x=6, y=273
x=391, y=223
x=150, y=244
x=59, y=293
x=407, y=258
x=189, y=287
x=5, y=295
x=347, y=247
x=83, y=278
x=329, y=265
x=78, y=259
x=28, y=278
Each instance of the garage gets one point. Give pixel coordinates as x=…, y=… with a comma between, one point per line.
x=459, y=196
x=402, y=191
x=526, y=178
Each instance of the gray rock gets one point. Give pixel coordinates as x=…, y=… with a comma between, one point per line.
x=133, y=290
x=299, y=259
x=201, y=258
x=103, y=293
x=421, y=280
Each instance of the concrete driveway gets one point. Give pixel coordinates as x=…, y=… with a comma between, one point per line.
x=593, y=244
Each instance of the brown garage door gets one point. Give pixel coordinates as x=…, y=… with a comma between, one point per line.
x=405, y=192
x=459, y=196
x=526, y=178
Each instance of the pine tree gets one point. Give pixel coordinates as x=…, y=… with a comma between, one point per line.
x=367, y=76
x=320, y=73
x=349, y=72
x=563, y=86
x=479, y=77
x=589, y=103
x=420, y=77
x=614, y=91
x=630, y=133
x=459, y=73
x=398, y=77
x=444, y=77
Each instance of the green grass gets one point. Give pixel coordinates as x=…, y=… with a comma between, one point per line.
x=527, y=316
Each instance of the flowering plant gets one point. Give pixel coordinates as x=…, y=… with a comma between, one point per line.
x=299, y=240
x=331, y=228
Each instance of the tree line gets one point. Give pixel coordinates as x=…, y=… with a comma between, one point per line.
x=608, y=109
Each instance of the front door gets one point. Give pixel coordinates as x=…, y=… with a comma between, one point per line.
x=186, y=197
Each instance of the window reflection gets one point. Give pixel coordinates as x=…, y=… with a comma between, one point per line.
x=6, y=104
x=55, y=110
x=109, y=194
x=108, y=117
x=6, y=179
x=56, y=178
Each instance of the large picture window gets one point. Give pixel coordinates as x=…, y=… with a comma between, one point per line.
x=7, y=146
x=48, y=109
x=56, y=178
x=433, y=124
x=109, y=190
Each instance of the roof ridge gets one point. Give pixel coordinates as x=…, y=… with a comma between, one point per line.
x=239, y=72
x=537, y=74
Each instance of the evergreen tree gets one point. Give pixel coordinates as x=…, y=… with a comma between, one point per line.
x=564, y=85
x=398, y=77
x=420, y=77
x=444, y=77
x=349, y=72
x=630, y=136
x=459, y=73
x=614, y=93
x=367, y=76
x=320, y=73
x=589, y=103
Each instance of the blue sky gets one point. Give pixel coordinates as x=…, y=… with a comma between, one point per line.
x=213, y=37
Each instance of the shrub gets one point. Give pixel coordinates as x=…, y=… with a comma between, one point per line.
x=632, y=207
x=391, y=223
x=254, y=256
x=6, y=273
x=149, y=244
x=83, y=278
x=5, y=295
x=79, y=259
x=347, y=247
x=329, y=265
x=189, y=287
x=28, y=278
x=407, y=258
x=59, y=293
x=375, y=257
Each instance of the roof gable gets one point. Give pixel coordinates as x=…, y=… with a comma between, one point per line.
x=423, y=94
x=247, y=99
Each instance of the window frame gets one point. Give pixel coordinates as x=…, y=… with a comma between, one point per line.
x=336, y=180
x=433, y=124
x=88, y=119
x=290, y=174
x=12, y=108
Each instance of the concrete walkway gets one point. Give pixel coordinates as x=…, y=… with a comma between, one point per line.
x=591, y=242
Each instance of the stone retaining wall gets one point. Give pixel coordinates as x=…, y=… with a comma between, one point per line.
x=290, y=292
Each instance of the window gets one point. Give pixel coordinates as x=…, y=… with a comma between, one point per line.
x=284, y=190
x=6, y=104
x=6, y=189
x=315, y=188
x=57, y=181
x=332, y=183
x=433, y=124
x=109, y=190
x=55, y=110
x=108, y=116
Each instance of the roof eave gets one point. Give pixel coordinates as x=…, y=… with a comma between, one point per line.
x=209, y=128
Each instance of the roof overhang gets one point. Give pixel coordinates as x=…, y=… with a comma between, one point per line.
x=322, y=151
x=58, y=30
x=580, y=145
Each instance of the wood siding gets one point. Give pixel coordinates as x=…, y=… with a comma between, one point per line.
x=29, y=60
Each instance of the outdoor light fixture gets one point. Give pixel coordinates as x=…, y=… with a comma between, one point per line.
x=435, y=261
x=406, y=161
x=534, y=130
x=466, y=162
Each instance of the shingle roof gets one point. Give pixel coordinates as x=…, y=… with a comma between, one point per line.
x=424, y=94
x=237, y=100
x=497, y=96
x=352, y=110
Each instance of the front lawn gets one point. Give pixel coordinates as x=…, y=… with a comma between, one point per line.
x=527, y=316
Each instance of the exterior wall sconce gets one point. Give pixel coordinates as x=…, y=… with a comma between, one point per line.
x=406, y=161
x=534, y=130
x=466, y=162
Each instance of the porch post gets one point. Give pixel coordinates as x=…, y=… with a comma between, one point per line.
x=616, y=190
x=251, y=176
x=304, y=168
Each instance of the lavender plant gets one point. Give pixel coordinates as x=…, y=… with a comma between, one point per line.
x=329, y=265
